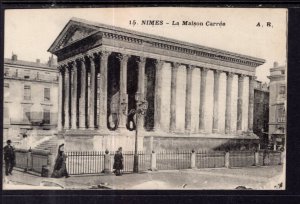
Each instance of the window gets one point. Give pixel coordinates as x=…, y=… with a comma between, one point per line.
x=6, y=72
x=6, y=90
x=280, y=113
x=282, y=90
x=27, y=92
x=282, y=72
x=46, y=117
x=46, y=94
x=27, y=74
x=26, y=114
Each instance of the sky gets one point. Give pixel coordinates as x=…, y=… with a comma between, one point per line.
x=30, y=32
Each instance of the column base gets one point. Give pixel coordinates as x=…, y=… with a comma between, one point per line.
x=215, y=131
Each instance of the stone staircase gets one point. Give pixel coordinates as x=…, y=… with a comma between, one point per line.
x=51, y=144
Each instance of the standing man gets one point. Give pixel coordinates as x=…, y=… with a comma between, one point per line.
x=9, y=158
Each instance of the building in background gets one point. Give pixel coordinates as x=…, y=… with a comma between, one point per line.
x=261, y=112
x=30, y=98
x=277, y=112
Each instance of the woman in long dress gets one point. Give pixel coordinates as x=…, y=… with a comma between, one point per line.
x=118, y=162
x=60, y=168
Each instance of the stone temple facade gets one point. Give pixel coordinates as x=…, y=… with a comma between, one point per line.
x=198, y=97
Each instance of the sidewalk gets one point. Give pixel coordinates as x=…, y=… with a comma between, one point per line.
x=222, y=178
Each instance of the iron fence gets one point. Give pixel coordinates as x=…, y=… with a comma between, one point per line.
x=210, y=159
x=241, y=158
x=85, y=162
x=268, y=158
x=173, y=160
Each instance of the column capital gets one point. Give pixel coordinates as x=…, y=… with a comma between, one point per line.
x=190, y=67
x=104, y=53
x=81, y=59
x=141, y=59
x=91, y=56
x=176, y=65
x=252, y=78
x=230, y=74
x=241, y=77
x=204, y=69
x=123, y=57
x=217, y=72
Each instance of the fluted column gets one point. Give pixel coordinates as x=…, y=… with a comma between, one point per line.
x=216, y=101
x=92, y=92
x=157, y=105
x=60, y=98
x=67, y=98
x=229, y=77
x=123, y=90
x=74, y=95
x=202, y=99
x=173, y=97
x=188, y=98
x=141, y=87
x=251, y=103
x=82, y=105
x=103, y=90
x=240, y=103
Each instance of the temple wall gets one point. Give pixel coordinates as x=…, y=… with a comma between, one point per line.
x=222, y=102
x=234, y=94
x=209, y=101
x=195, y=99
x=180, y=98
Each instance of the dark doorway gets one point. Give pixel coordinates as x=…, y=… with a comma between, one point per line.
x=113, y=92
x=132, y=86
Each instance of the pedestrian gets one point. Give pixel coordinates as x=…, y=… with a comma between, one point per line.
x=118, y=162
x=9, y=158
x=60, y=167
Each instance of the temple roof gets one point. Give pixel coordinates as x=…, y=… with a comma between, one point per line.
x=77, y=29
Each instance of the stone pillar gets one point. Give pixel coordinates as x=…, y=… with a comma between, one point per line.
x=227, y=160
x=240, y=103
x=141, y=87
x=92, y=92
x=188, y=98
x=74, y=96
x=60, y=98
x=153, y=161
x=173, y=97
x=103, y=90
x=82, y=105
x=123, y=91
x=202, y=99
x=193, y=159
x=228, y=102
x=251, y=103
x=216, y=101
x=157, y=105
x=67, y=98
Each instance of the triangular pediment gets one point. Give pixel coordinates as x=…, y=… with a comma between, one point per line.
x=72, y=32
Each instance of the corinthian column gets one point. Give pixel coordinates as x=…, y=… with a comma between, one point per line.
x=92, y=93
x=103, y=90
x=216, y=101
x=202, y=99
x=67, y=98
x=74, y=96
x=141, y=87
x=188, y=98
x=240, y=103
x=157, y=105
x=82, y=105
x=173, y=96
x=60, y=98
x=228, y=102
x=251, y=103
x=123, y=90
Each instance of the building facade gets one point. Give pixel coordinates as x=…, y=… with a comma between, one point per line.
x=261, y=113
x=30, y=98
x=277, y=113
x=198, y=97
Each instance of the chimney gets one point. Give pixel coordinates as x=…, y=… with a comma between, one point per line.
x=38, y=61
x=51, y=61
x=275, y=64
x=14, y=57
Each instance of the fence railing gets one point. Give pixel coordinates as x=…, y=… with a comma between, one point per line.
x=101, y=162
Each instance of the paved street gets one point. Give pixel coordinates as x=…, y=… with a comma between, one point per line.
x=253, y=177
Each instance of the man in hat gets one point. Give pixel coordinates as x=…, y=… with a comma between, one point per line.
x=9, y=158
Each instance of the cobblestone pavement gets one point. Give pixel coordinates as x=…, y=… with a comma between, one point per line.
x=254, y=177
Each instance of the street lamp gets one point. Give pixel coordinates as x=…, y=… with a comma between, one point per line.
x=140, y=110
